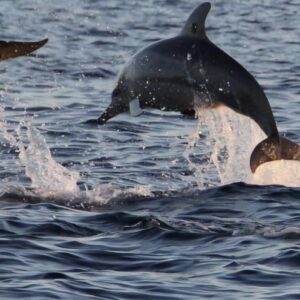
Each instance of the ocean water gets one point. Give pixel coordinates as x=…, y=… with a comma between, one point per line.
x=159, y=206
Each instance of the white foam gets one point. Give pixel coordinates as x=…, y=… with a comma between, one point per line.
x=103, y=193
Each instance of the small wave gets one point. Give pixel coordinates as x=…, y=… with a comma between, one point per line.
x=213, y=213
x=106, y=33
x=90, y=200
x=257, y=277
x=100, y=73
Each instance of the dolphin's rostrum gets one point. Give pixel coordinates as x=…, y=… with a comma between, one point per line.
x=189, y=71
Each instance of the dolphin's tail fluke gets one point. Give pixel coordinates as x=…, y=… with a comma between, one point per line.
x=274, y=148
x=15, y=49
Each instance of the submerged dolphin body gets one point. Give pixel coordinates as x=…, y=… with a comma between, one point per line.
x=15, y=49
x=189, y=71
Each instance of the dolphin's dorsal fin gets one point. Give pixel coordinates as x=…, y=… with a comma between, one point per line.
x=195, y=25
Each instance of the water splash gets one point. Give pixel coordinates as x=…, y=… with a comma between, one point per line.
x=218, y=152
x=45, y=173
x=47, y=176
x=50, y=181
x=104, y=193
x=231, y=138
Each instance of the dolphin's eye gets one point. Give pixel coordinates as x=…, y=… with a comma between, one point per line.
x=194, y=27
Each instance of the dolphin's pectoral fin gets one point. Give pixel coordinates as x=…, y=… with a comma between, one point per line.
x=195, y=25
x=274, y=148
x=112, y=111
x=134, y=108
x=15, y=49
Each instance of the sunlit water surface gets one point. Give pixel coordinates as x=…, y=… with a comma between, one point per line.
x=159, y=206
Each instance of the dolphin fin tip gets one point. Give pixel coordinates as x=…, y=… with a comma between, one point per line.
x=36, y=45
x=43, y=42
x=207, y=5
x=195, y=24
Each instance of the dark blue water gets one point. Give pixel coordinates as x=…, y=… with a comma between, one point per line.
x=133, y=210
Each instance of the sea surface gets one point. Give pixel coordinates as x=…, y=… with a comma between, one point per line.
x=160, y=206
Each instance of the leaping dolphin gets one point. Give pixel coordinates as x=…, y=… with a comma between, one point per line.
x=189, y=71
x=14, y=49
